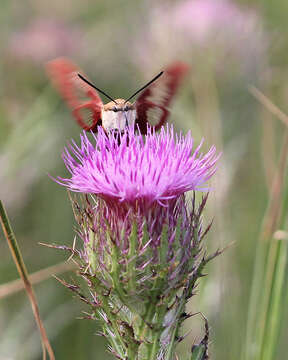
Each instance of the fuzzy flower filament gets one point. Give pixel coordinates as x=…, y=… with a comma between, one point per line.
x=158, y=169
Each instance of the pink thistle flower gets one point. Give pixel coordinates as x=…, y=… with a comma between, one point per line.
x=156, y=169
x=142, y=251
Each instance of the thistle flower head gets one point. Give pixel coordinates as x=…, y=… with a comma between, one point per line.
x=142, y=260
x=132, y=169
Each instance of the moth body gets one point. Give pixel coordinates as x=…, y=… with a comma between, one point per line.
x=118, y=115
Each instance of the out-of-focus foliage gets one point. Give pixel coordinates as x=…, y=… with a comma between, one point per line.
x=122, y=44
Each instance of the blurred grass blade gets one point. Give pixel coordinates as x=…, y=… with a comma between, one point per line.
x=268, y=275
x=274, y=206
x=275, y=284
x=271, y=252
x=265, y=101
x=276, y=301
x=15, y=251
x=14, y=286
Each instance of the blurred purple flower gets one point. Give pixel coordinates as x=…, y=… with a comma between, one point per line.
x=213, y=29
x=155, y=170
x=201, y=19
x=45, y=39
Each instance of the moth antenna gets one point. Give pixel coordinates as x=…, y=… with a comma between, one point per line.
x=92, y=85
x=143, y=87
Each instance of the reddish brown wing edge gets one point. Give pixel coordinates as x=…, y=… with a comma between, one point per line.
x=173, y=74
x=64, y=76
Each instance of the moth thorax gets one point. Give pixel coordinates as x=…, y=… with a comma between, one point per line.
x=118, y=115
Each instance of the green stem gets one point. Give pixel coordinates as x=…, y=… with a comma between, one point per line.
x=148, y=319
x=113, y=341
x=171, y=348
x=154, y=350
x=132, y=258
x=118, y=341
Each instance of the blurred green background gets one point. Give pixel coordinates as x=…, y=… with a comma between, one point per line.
x=229, y=45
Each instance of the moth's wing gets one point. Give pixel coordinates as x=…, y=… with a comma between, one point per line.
x=83, y=100
x=152, y=106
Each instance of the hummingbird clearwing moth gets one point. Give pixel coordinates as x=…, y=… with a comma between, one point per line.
x=151, y=106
